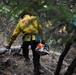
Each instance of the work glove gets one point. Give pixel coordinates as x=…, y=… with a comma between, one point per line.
x=43, y=42
x=8, y=49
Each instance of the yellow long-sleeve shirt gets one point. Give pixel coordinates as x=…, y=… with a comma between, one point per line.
x=32, y=26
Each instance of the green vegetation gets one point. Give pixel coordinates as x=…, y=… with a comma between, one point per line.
x=58, y=12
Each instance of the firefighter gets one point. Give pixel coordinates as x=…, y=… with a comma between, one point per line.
x=30, y=26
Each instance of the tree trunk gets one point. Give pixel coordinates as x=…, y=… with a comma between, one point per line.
x=67, y=47
x=71, y=67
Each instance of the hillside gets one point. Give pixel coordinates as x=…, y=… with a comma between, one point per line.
x=14, y=64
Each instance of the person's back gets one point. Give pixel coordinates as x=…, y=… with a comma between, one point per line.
x=29, y=26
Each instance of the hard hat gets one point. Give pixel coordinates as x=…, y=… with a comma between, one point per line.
x=42, y=49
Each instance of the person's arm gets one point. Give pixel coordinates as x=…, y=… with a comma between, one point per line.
x=14, y=35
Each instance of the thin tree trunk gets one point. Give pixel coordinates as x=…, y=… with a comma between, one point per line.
x=67, y=47
x=71, y=67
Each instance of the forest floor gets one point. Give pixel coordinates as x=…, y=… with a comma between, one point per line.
x=14, y=64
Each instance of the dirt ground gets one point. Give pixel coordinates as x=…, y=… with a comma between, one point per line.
x=14, y=64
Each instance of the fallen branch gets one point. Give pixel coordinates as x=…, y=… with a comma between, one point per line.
x=17, y=48
x=13, y=48
x=49, y=72
x=53, y=52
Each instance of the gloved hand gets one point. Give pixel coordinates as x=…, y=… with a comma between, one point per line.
x=43, y=42
x=8, y=49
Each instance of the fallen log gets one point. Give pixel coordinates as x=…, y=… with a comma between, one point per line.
x=13, y=48
x=18, y=48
